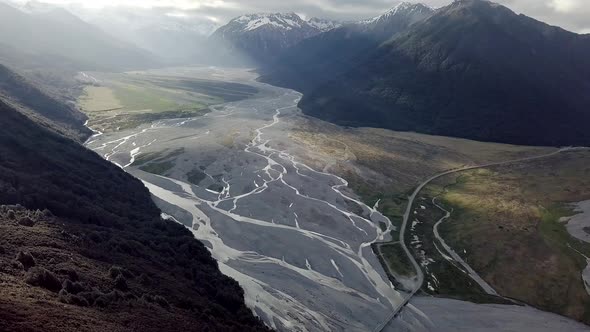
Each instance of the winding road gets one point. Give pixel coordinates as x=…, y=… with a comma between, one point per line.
x=419, y=273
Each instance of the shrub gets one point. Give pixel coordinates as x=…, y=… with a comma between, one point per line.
x=144, y=279
x=116, y=271
x=161, y=301
x=106, y=299
x=121, y=283
x=101, y=301
x=26, y=221
x=68, y=298
x=47, y=213
x=73, y=287
x=41, y=277
x=26, y=259
x=77, y=300
x=147, y=298
x=91, y=296
x=96, y=237
x=72, y=274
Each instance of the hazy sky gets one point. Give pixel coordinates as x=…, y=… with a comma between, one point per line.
x=570, y=14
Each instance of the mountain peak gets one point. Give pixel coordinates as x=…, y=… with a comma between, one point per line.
x=323, y=24
x=262, y=36
x=477, y=5
x=35, y=6
x=403, y=8
x=283, y=21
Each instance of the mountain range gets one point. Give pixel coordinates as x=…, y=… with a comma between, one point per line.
x=306, y=65
x=258, y=38
x=473, y=69
x=56, y=33
x=175, y=39
x=83, y=244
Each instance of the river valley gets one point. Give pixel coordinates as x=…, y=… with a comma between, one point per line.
x=295, y=237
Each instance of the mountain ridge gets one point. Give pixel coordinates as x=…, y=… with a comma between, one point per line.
x=258, y=38
x=57, y=32
x=39, y=104
x=474, y=69
x=329, y=54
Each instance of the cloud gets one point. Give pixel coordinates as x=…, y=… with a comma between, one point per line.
x=565, y=6
x=570, y=14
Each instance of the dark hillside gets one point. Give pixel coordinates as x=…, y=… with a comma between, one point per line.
x=99, y=247
x=474, y=70
x=321, y=58
x=38, y=103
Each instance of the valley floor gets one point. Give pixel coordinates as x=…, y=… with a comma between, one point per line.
x=296, y=239
x=273, y=195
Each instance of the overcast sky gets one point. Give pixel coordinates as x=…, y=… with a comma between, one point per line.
x=570, y=14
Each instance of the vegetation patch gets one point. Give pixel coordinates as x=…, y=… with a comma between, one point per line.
x=158, y=162
x=442, y=275
x=397, y=260
x=216, y=187
x=385, y=166
x=158, y=168
x=125, y=101
x=507, y=224
x=196, y=176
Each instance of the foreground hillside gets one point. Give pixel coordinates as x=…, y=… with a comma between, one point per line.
x=474, y=69
x=98, y=257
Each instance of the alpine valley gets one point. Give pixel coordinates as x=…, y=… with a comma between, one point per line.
x=225, y=166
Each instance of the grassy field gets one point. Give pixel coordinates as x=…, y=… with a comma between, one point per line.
x=386, y=166
x=507, y=224
x=393, y=253
x=505, y=220
x=123, y=101
x=441, y=276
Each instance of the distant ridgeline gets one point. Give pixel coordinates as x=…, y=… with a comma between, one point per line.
x=40, y=105
x=57, y=38
x=473, y=69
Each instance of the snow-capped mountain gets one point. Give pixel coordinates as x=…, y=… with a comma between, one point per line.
x=37, y=7
x=288, y=21
x=261, y=37
x=324, y=24
x=396, y=19
x=252, y=22
x=330, y=54
x=415, y=11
